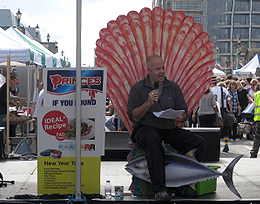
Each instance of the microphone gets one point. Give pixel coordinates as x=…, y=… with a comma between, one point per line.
x=156, y=87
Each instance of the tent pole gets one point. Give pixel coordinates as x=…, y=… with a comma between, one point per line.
x=28, y=101
x=7, y=101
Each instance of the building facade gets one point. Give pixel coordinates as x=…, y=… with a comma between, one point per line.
x=233, y=26
x=8, y=19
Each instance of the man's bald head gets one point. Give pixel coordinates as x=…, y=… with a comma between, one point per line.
x=150, y=60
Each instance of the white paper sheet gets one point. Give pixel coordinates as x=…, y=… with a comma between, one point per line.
x=168, y=114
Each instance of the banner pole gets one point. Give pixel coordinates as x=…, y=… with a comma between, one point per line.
x=78, y=101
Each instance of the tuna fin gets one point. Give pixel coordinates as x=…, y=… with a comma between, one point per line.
x=190, y=154
x=228, y=176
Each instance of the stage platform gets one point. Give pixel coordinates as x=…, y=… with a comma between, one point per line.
x=246, y=179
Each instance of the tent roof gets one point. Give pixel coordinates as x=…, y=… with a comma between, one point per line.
x=218, y=72
x=13, y=64
x=43, y=55
x=10, y=46
x=250, y=67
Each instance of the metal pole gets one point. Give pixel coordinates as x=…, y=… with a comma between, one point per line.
x=28, y=101
x=7, y=101
x=238, y=53
x=217, y=57
x=78, y=102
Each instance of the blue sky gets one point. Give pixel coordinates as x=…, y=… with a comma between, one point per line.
x=58, y=18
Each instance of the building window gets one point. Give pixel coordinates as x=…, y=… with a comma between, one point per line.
x=197, y=6
x=170, y=5
x=256, y=6
x=224, y=33
x=242, y=6
x=178, y=5
x=184, y=5
x=228, y=5
x=224, y=47
x=241, y=19
x=255, y=45
x=255, y=19
x=197, y=19
x=225, y=20
x=240, y=33
x=255, y=33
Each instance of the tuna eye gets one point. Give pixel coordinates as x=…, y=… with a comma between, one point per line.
x=135, y=165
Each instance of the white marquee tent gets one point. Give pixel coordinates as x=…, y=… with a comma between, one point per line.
x=47, y=58
x=250, y=67
x=17, y=51
x=218, y=72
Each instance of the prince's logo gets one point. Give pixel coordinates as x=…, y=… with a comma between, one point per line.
x=57, y=80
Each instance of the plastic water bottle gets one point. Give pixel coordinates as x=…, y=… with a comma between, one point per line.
x=108, y=190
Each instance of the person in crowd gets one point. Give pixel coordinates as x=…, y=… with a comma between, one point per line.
x=252, y=87
x=222, y=84
x=3, y=101
x=206, y=109
x=256, y=142
x=248, y=81
x=229, y=77
x=226, y=98
x=120, y=125
x=248, y=86
x=236, y=108
x=227, y=82
x=149, y=131
x=243, y=83
x=110, y=111
x=113, y=123
x=243, y=97
x=193, y=120
x=218, y=79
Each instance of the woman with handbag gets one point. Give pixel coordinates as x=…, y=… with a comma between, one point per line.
x=236, y=108
x=206, y=110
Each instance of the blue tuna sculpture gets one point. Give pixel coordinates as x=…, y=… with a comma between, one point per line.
x=181, y=170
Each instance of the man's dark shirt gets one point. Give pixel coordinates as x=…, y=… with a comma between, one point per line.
x=170, y=97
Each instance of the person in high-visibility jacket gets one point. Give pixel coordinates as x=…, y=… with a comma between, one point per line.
x=256, y=142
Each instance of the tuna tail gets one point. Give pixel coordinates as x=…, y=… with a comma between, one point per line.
x=228, y=176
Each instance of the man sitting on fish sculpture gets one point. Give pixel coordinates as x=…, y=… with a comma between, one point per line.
x=153, y=94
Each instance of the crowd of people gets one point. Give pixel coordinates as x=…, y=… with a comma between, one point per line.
x=16, y=103
x=227, y=94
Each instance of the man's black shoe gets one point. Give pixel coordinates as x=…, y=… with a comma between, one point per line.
x=226, y=149
x=253, y=156
x=32, y=131
x=162, y=196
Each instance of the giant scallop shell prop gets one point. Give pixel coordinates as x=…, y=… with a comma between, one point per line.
x=127, y=41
